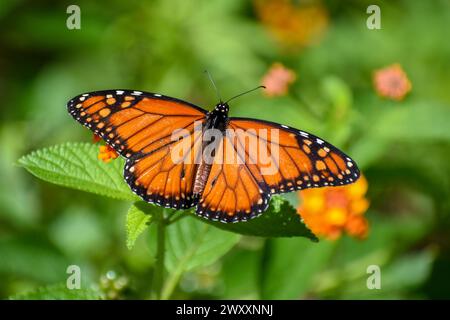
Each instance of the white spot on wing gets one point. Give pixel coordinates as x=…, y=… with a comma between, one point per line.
x=304, y=134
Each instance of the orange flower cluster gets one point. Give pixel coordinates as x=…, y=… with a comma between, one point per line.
x=293, y=25
x=106, y=153
x=277, y=80
x=331, y=211
x=392, y=82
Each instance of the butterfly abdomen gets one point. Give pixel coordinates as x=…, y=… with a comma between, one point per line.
x=201, y=177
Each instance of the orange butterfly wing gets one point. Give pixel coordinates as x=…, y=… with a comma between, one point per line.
x=305, y=161
x=140, y=127
x=290, y=160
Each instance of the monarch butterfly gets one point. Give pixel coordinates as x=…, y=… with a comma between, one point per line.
x=140, y=126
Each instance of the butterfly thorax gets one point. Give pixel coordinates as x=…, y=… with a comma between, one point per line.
x=216, y=120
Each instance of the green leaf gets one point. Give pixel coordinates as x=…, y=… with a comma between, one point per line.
x=280, y=220
x=399, y=277
x=58, y=292
x=31, y=257
x=65, y=232
x=137, y=221
x=190, y=244
x=416, y=122
x=291, y=265
x=75, y=165
x=245, y=283
x=339, y=95
x=408, y=271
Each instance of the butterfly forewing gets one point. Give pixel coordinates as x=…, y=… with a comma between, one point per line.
x=132, y=121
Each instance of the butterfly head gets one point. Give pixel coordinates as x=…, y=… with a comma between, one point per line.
x=222, y=108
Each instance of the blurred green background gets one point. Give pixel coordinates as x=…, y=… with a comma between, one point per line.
x=163, y=46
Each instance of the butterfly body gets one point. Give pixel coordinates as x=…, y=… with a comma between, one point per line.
x=215, y=120
x=218, y=171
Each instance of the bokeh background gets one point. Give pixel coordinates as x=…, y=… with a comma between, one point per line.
x=381, y=95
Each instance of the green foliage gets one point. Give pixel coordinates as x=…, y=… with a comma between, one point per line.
x=137, y=222
x=418, y=122
x=280, y=220
x=290, y=267
x=31, y=258
x=244, y=284
x=75, y=165
x=191, y=244
x=65, y=232
x=188, y=243
x=58, y=292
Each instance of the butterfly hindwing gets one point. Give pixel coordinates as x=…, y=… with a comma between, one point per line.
x=162, y=178
x=234, y=191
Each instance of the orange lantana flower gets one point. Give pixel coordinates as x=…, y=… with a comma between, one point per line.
x=392, y=82
x=277, y=80
x=331, y=211
x=106, y=153
x=293, y=24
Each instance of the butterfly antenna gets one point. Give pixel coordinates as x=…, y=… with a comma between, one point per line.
x=214, y=85
x=241, y=94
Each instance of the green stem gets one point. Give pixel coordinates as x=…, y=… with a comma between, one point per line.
x=171, y=284
x=177, y=216
x=158, y=278
x=175, y=276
